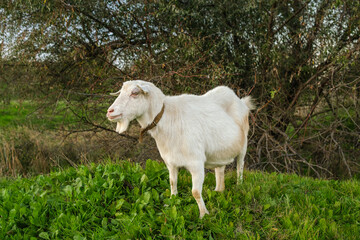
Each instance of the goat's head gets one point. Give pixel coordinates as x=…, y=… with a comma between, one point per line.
x=131, y=103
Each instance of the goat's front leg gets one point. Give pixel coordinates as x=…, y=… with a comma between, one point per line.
x=198, y=175
x=220, y=179
x=173, y=175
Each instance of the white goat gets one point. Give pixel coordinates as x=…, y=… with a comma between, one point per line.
x=190, y=131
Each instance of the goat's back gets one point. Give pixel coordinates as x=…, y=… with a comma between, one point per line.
x=234, y=106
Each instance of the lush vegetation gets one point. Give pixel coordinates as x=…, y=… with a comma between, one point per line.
x=126, y=201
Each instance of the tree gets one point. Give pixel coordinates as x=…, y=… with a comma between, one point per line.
x=298, y=58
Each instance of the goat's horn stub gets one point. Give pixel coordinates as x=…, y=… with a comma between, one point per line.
x=115, y=94
x=141, y=90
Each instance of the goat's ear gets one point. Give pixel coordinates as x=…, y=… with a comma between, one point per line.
x=145, y=89
x=115, y=94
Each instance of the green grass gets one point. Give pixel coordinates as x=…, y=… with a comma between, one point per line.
x=125, y=201
x=29, y=113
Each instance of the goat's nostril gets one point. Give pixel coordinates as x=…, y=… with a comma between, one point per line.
x=110, y=110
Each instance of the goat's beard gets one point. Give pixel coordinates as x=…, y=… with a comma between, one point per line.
x=122, y=125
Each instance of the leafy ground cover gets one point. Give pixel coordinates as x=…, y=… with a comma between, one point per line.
x=126, y=201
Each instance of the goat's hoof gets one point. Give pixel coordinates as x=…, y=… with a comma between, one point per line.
x=203, y=214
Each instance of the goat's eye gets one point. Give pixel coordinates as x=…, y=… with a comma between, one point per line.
x=134, y=93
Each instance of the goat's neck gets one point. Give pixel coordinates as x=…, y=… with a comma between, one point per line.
x=148, y=117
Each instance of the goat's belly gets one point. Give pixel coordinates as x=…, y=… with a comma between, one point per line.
x=213, y=163
x=222, y=150
x=221, y=158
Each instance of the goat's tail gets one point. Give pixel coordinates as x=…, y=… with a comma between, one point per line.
x=249, y=102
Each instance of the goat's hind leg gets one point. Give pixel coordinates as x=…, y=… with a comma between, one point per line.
x=240, y=162
x=240, y=167
x=220, y=179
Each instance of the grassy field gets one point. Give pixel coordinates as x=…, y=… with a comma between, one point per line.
x=28, y=113
x=125, y=201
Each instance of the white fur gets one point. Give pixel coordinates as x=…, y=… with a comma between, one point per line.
x=194, y=132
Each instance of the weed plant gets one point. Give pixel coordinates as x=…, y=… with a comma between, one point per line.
x=126, y=201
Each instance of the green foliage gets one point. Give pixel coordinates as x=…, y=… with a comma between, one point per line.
x=125, y=201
